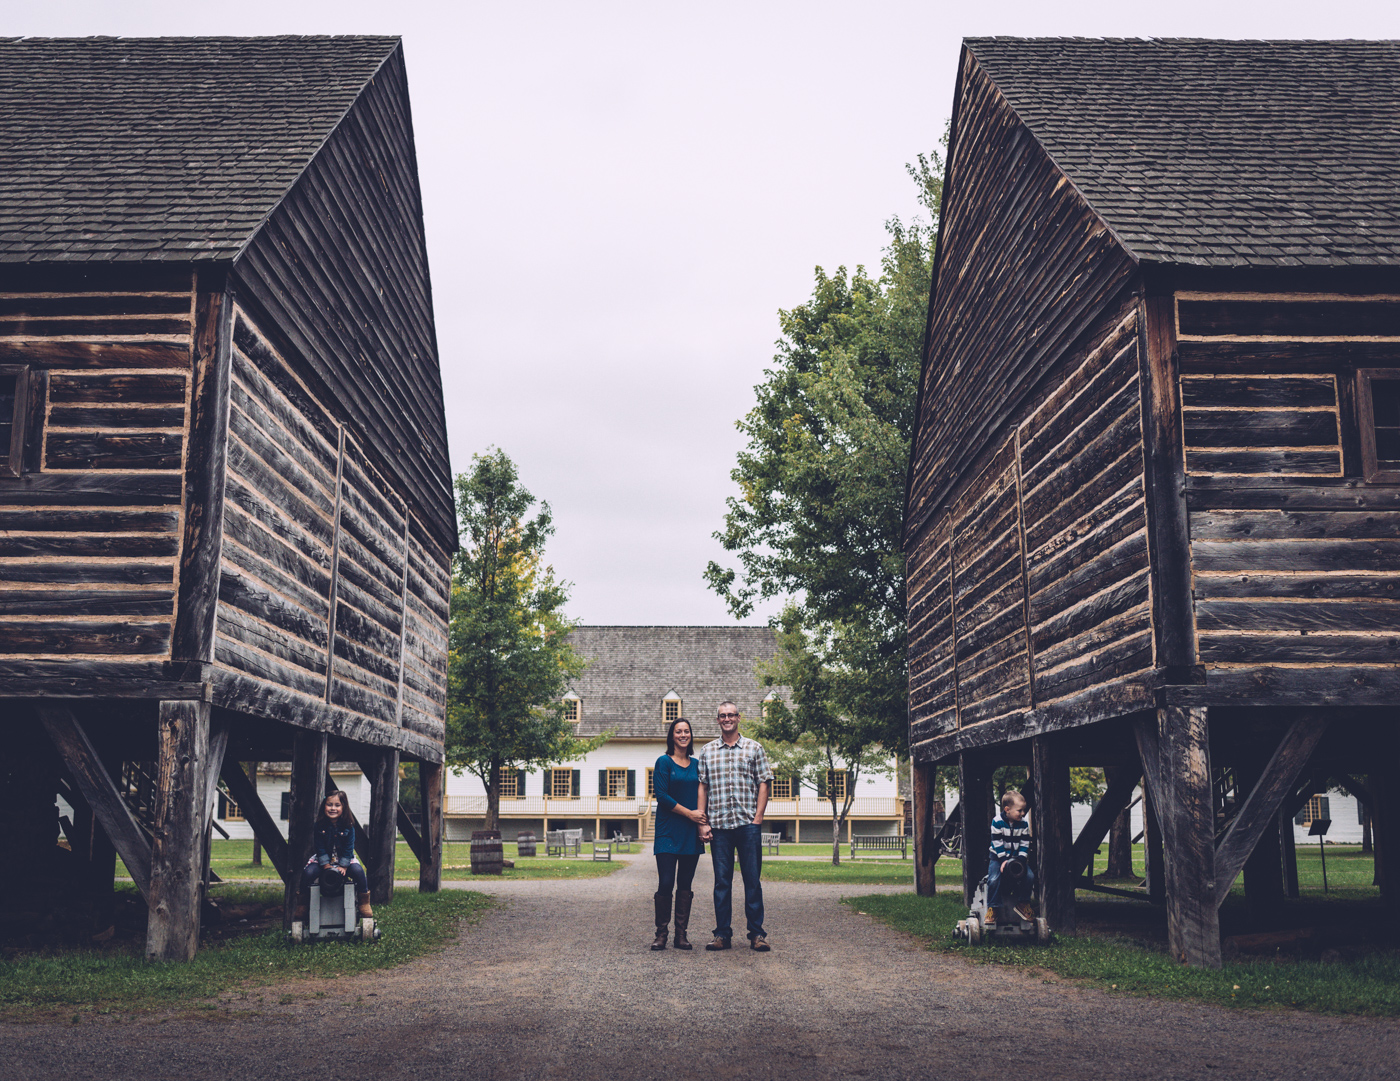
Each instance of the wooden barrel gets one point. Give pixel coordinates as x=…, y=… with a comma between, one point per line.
x=486, y=852
x=525, y=844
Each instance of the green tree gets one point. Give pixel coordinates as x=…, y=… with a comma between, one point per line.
x=820, y=512
x=810, y=736
x=509, y=659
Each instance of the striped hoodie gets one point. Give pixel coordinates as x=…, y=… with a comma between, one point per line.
x=1010, y=840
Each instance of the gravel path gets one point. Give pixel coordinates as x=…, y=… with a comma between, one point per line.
x=558, y=983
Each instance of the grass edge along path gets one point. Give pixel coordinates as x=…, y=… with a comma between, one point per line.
x=125, y=983
x=1368, y=987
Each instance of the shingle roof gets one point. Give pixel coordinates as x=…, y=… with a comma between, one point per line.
x=162, y=148
x=1220, y=153
x=634, y=668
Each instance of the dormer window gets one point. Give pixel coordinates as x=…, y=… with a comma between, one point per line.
x=671, y=708
x=767, y=706
x=573, y=708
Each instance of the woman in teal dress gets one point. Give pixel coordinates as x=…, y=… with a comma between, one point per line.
x=676, y=783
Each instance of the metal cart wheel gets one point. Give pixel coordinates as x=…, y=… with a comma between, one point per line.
x=1042, y=930
x=367, y=930
x=974, y=931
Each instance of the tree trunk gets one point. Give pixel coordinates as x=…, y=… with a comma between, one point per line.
x=493, y=799
x=1367, y=848
x=257, y=845
x=835, y=835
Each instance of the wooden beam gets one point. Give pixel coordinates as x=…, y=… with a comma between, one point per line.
x=96, y=785
x=308, y=783
x=975, y=799
x=926, y=838
x=177, y=851
x=381, y=768
x=1187, y=817
x=431, y=776
x=411, y=834
x=1276, y=782
x=1055, y=873
x=1386, y=818
x=265, y=827
x=1116, y=798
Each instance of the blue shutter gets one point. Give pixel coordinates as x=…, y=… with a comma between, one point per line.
x=520, y=783
x=576, y=787
x=631, y=784
x=602, y=782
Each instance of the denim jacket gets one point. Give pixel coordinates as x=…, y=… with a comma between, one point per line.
x=335, y=844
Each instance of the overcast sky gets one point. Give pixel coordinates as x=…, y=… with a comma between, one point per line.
x=620, y=196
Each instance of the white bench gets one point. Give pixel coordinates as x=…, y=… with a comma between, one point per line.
x=771, y=841
x=880, y=843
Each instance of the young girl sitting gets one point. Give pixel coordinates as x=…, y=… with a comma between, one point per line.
x=335, y=855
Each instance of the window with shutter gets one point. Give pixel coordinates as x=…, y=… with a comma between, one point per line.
x=613, y=783
x=520, y=784
x=563, y=783
x=603, y=783
x=631, y=784
x=836, y=784
x=782, y=788
x=506, y=786
x=651, y=783
x=576, y=784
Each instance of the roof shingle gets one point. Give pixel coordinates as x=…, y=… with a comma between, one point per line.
x=1220, y=153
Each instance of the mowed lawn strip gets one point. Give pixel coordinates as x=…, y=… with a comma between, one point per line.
x=125, y=982
x=1368, y=985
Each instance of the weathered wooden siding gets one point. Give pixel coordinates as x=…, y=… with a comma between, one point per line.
x=1024, y=267
x=90, y=535
x=340, y=271
x=1295, y=558
x=933, y=689
x=319, y=560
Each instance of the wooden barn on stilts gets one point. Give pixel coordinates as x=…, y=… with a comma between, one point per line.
x=226, y=512
x=1153, y=515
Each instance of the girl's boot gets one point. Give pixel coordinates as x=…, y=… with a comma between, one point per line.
x=663, y=918
x=683, y=899
x=362, y=906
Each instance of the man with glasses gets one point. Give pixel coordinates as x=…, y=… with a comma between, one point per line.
x=734, y=783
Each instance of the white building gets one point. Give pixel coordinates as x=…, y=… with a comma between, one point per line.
x=639, y=679
x=274, y=789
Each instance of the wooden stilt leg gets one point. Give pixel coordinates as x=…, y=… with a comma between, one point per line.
x=1290, y=854
x=1053, y=837
x=177, y=850
x=382, y=770
x=1188, y=821
x=430, y=781
x=308, y=789
x=975, y=799
x=1386, y=827
x=926, y=847
x=1263, y=870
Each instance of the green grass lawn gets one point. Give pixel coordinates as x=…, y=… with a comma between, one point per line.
x=1349, y=870
x=231, y=976
x=1121, y=945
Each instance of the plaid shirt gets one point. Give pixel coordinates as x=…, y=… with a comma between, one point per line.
x=731, y=776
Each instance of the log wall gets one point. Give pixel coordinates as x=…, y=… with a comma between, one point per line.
x=90, y=533
x=320, y=560
x=1295, y=557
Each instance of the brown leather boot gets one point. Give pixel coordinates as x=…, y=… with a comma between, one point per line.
x=663, y=918
x=683, y=899
x=363, y=909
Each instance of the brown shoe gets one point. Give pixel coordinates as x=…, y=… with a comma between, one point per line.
x=718, y=944
x=1025, y=912
x=759, y=944
x=363, y=908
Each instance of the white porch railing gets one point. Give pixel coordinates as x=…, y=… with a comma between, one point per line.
x=601, y=807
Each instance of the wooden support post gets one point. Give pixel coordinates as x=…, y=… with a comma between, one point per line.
x=98, y=788
x=1188, y=833
x=265, y=828
x=926, y=847
x=1263, y=876
x=975, y=799
x=253, y=788
x=1050, y=823
x=308, y=789
x=1290, y=854
x=381, y=768
x=177, y=851
x=1386, y=826
x=411, y=835
x=431, y=776
x=1149, y=752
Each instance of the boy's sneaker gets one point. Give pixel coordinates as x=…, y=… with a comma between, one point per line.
x=989, y=918
x=1025, y=912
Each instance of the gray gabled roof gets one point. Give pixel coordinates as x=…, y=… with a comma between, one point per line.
x=138, y=149
x=1220, y=153
x=633, y=668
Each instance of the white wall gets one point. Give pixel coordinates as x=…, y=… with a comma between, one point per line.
x=271, y=786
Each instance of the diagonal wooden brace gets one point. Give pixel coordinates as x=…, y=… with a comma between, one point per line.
x=265, y=827
x=97, y=787
x=1276, y=782
x=1116, y=799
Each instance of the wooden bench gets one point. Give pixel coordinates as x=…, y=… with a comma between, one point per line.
x=771, y=841
x=563, y=843
x=602, y=851
x=880, y=843
x=622, y=842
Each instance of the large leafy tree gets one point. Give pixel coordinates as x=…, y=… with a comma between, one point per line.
x=822, y=478
x=509, y=659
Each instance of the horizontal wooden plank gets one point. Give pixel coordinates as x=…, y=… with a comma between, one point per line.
x=310, y=537
x=1123, y=659
x=88, y=489
x=1303, y=555
x=98, y=520
x=1117, y=451
x=254, y=385
x=242, y=591
x=110, y=450
x=55, y=545
x=1304, y=685
x=1323, y=616
x=87, y=602
x=1121, y=414
x=93, y=677
x=1259, y=391
x=258, y=539
x=1313, y=649
x=1085, y=390
x=63, y=636
x=1266, y=428
x=152, y=387
x=1281, y=524
x=1217, y=357
x=1102, y=634
x=237, y=558
x=125, y=416
x=1093, y=610
x=250, y=630
x=263, y=666
x=1213, y=586
x=90, y=572
x=1262, y=492
x=286, y=466
x=360, y=699
x=1050, y=566
x=1290, y=317
x=258, y=480
x=311, y=457
x=96, y=354
x=38, y=307
x=93, y=327
x=1236, y=460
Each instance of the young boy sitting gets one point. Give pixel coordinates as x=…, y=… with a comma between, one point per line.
x=1011, y=839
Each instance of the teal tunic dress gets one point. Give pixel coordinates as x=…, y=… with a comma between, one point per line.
x=673, y=785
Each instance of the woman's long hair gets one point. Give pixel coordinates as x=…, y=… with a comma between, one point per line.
x=671, y=737
x=347, y=816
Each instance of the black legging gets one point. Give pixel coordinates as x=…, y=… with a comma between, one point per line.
x=667, y=866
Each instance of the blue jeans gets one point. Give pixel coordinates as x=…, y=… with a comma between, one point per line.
x=747, y=843
x=356, y=874
x=1021, y=893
